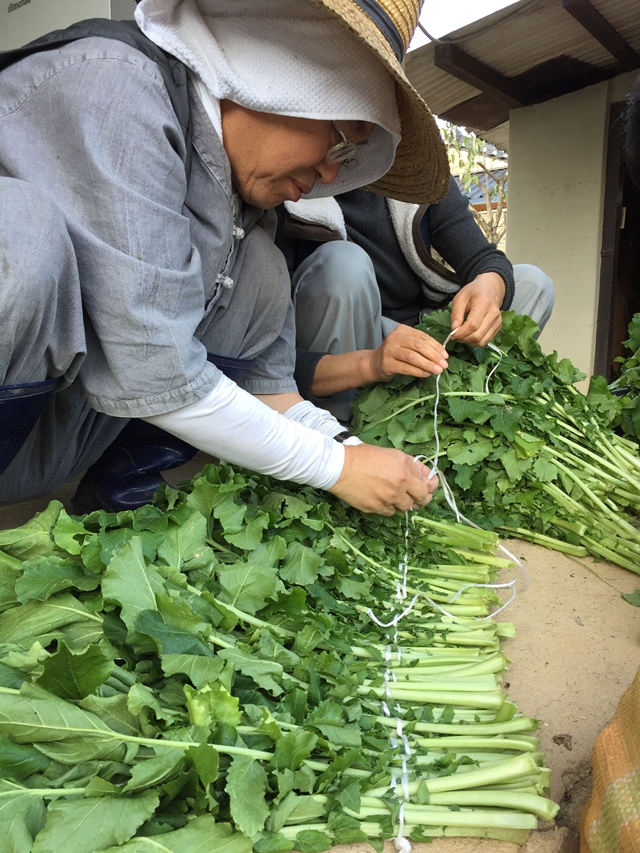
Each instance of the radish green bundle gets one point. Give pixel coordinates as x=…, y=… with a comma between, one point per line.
x=629, y=382
x=205, y=673
x=529, y=455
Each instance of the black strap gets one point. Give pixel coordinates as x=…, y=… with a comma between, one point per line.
x=341, y=437
x=384, y=23
x=173, y=72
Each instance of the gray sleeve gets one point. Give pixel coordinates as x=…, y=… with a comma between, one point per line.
x=459, y=240
x=96, y=130
x=272, y=371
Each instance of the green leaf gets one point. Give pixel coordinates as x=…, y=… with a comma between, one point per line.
x=114, y=711
x=251, y=534
x=36, y=716
x=184, y=543
x=21, y=817
x=312, y=841
x=154, y=771
x=18, y=761
x=462, y=409
x=633, y=598
x=544, y=470
x=263, y=720
x=345, y=829
x=269, y=553
x=168, y=639
x=75, y=752
x=514, y=466
x=25, y=661
x=112, y=540
x=199, y=669
x=396, y=433
x=527, y=445
x=506, y=422
x=349, y=797
x=74, y=676
x=212, y=703
x=45, y=576
x=132, y=583
x=65, y=531
x=247, y=587
x=200, y=835
x=140, y=696
x=328, y=718
x=295, y=809
x=307, y=639
x=469, y=454
x=205, y=760
x=10, y=571
x=230, y=514
x=352, y=588
x=272, y=650
x=263, y=672
x=33, y=539
x=35, y=619
x=293, y=748
x=84, y=826
x=301, y=565
x=10, y=677
x=273, y=842
x=246, y=787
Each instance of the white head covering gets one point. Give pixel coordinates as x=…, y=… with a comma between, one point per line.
x=285, y=57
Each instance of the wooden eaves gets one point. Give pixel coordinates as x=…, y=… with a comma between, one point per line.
x=557, y=75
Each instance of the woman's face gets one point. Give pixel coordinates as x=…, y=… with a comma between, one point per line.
x=278, y=158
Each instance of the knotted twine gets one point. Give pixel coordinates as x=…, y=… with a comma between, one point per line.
x=402, y=844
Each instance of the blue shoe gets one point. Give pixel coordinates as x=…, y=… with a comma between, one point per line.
x=20, y=408
x=129, y=471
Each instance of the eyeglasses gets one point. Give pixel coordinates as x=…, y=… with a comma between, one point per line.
x=342, y=152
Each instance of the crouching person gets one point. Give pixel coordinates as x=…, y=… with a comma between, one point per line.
x=146, y=311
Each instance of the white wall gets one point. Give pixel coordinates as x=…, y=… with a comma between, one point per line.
x=22, y=21
x=556, y=186
x=557, y=160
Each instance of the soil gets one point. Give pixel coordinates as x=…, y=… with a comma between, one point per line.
x=576, y=651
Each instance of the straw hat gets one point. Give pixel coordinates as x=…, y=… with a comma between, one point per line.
x=420, y=172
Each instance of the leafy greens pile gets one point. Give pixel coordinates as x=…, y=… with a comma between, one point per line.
x=529, y=454
x=629, y=381
x=203, y=674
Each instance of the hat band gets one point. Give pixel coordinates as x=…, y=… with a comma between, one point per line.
x=384, y=24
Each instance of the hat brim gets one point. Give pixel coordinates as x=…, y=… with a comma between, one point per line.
x=420, y=171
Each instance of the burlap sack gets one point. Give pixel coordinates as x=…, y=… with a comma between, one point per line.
x=610, y=822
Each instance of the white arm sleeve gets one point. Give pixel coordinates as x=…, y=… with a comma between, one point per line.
x=311, y=416
x=231, y=424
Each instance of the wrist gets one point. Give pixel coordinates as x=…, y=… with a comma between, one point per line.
x=345, y=437
x=497, y=284
x=369, y=367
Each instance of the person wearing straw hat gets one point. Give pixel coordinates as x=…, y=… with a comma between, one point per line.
x=146, y=311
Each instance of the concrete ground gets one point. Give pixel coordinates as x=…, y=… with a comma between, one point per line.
x=576, y=651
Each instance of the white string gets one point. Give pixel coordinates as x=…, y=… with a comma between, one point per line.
x=448, y=492
x=495, y=366
x=402, y=844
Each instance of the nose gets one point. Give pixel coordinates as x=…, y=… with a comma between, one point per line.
x=327, y=172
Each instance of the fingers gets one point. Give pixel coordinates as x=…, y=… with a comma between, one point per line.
x=475, y=310
x=410, y=352
x=480, y=327
x=383, y=480
x=458, y=310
